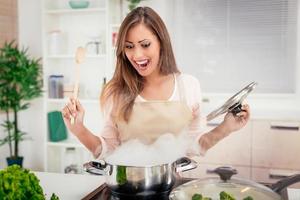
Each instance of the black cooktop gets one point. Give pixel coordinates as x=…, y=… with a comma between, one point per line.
x=104, y=193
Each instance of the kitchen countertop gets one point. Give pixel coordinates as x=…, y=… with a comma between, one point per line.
x=68, y=186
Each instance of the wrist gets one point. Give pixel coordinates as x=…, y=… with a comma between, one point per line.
x=80, y=130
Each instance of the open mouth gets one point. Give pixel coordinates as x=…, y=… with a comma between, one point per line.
x=142, y=64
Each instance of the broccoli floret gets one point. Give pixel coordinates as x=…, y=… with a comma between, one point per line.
x=226, y=196
x=200, y=197
x=248, y=198
x=54, y=197
x=197, y=197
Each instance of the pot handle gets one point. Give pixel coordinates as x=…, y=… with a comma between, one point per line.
x=185, y=164
x=97, y=168
x=283, y=183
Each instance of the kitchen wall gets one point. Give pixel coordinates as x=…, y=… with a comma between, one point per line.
x=8, y=31
x=8, y=20
x=263, y=104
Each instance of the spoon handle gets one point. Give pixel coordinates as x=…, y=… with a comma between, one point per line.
x=79, y=58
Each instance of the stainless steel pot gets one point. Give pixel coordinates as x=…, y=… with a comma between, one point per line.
x=136, y=180
x=240, y=189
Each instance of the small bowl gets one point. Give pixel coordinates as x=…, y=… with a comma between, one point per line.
x=77, y=4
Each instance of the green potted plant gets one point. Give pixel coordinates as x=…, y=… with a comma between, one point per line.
x=20, y=81
x=133, y=4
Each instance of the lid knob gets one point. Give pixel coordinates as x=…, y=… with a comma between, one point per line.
x=225, y=173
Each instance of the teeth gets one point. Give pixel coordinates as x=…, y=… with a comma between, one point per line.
x=142, y=62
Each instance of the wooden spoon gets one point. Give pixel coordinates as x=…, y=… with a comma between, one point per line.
x=79, y=58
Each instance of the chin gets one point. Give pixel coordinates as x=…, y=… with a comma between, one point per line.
x=144, y=74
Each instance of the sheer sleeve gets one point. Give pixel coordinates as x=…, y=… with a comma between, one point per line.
x=109, y=135
x=193, y=93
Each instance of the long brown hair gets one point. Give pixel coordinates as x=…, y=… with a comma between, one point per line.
x=126, y=83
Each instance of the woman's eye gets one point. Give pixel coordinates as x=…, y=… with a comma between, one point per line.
x=128, y=46
x=145, y=45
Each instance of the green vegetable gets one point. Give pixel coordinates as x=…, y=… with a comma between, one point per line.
x=223, y=196
x=248, y=198
x=197, y=197
x=226, y=196
x=200, y=197
x=19, y=183
x=54, y=197
x=121, y=175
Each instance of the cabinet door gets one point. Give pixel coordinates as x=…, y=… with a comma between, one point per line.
x=276, y=144
x=232, y=150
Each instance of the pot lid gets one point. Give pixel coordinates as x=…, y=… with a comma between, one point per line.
x=238, y=189
x=233, y=104
x=212, y=187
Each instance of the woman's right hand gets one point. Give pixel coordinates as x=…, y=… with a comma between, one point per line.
x=73, y=109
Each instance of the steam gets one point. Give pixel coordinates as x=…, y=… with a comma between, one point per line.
x=166, y=149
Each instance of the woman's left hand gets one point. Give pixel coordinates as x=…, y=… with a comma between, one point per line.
x=233, y=123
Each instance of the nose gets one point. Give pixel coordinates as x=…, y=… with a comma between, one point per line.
x=137, y=53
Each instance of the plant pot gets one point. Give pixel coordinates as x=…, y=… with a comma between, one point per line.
x=14, y=161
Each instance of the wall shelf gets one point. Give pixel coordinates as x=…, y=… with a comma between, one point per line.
x=67, y=143
x=64, y=100
x=71, y=56
x=63, y=31
x=72, y=11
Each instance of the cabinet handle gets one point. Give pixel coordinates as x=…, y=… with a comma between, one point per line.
x=280, y=174
x=277, y=176
x=289, y=128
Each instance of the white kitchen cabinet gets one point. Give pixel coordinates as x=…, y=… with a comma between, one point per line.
x=275, y=149
x=264, y=150
x=275, y=144
x=235, y=149
x=63, y=30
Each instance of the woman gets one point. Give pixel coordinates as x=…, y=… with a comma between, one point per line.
x=147, y=95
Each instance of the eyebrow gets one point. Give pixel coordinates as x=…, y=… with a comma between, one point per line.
x=138, y=41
